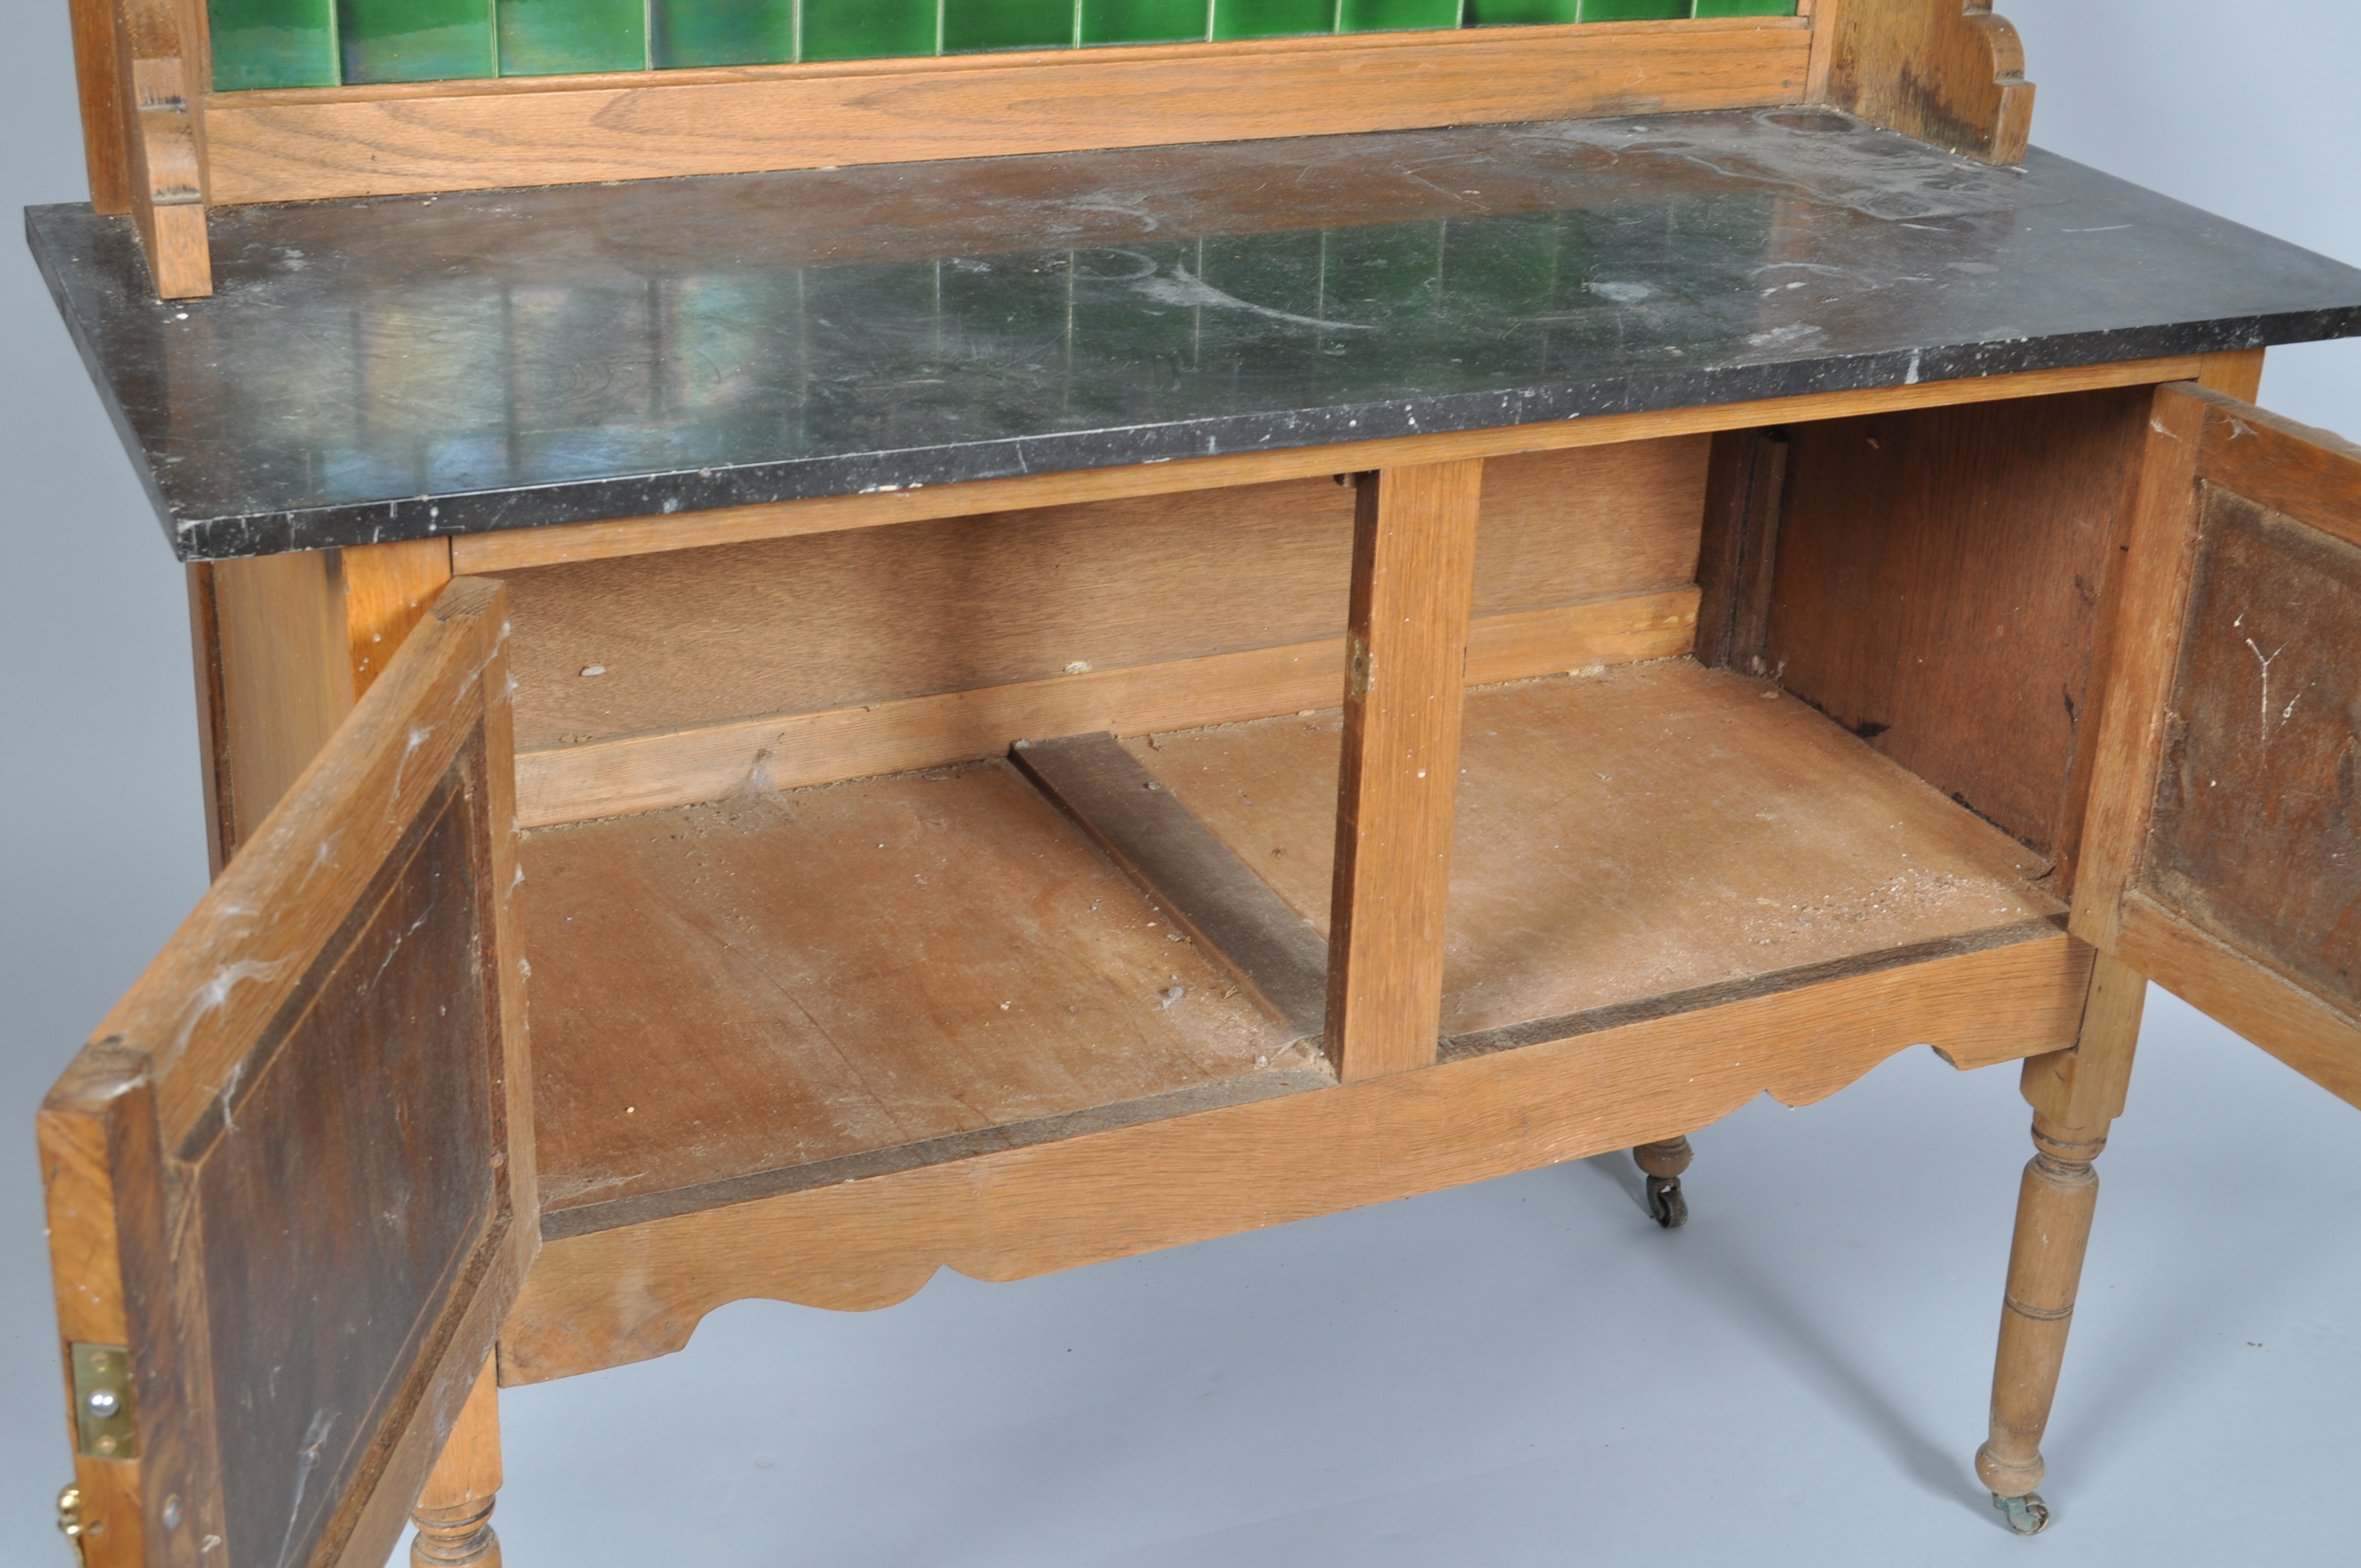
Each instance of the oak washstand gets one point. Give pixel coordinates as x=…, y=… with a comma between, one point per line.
x=1030, y=656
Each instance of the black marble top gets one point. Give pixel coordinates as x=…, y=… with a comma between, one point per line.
x=391, y=368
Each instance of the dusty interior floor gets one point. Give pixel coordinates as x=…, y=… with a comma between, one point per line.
x=1642, y=830
x=772, y=981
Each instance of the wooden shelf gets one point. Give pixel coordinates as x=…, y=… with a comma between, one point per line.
x=767, y=994
x=1645, y=832
x=777, y=982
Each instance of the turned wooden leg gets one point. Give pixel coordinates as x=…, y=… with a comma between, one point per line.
x=453, y=1515
x=2075, y=1095
x=1664, y=1163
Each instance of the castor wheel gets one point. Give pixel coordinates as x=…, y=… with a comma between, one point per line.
x=2027, y=1515
x=1665, y=1202
x=1662, y=1164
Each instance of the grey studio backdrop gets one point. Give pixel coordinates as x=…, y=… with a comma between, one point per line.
x=1524, y=1372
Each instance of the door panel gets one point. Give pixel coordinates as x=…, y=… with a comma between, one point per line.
x=292, y=1175
x=2224, y=856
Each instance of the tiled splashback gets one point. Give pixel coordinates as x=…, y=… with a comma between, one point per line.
x=329, y=43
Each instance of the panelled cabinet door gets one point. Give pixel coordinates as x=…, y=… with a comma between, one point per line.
x=2222, y=854
x=291, y=1180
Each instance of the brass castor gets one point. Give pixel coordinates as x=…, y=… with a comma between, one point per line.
x=2027, y=1515
x=1664, y=1163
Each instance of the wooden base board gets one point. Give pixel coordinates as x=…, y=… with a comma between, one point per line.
x=628, y=1294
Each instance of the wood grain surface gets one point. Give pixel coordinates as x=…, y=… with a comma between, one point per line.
x=739, y=999
x=777, y=980
x=284, y=646
x=625, y=1294
x=1631, y=833
x=1398, y=773
x=1937, y=590
x=301, y=1348
x=571, y=783
x=805, y=624
x=302, y=145
x=1947, y=71
x=1185, y=871
x=2220, y=852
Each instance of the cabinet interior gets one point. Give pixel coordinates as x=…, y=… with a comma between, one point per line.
x=792, y=966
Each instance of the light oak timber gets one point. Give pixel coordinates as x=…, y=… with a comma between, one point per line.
x=98, y=76
x=1406, y=667
x=160, y=62
x=746, y=992
x=1226, y=910
x=2311, y=475
x=609, y=778
x=285, y=679
x=304, y=145
x=784, y=990
x=285, y=646
x=431, y=739
x=87, y=1131
x=2237, y=372
x=386, y=587
x=2075, y=1095
x=1823, y=15
x=453, y=1512
x=830, y=620
x=2292, y=1023
x=2133, y=664
x=2203, y=442
x=615, y=1296
x=1587, y=840
x=1947, y=72
x=492, y=553
x=1974, y=680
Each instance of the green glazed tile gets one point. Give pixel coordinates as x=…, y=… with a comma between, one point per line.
x=1392, y=15
x=724, y=32
x=867, y=30
x=416, y=41
x=1272, y=19
x=1007, y=24
x=1633, y=10
x=557, y=38
x=1508, y=13
x=1745, y=8
x=1142, y=21
x=273, y=43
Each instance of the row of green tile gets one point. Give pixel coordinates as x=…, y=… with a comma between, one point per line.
x=324, y=43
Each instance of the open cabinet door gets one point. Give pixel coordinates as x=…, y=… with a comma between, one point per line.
x=291, y=1180
x=2223, y=851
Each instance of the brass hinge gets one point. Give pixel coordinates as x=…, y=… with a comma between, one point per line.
x=104, y=1428
x=69, y=1520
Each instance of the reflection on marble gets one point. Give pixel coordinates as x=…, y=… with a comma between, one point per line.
x=390, y=368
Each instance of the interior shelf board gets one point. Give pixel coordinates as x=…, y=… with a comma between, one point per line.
x=788, y=990
x=783, y=980
x=1635, y=833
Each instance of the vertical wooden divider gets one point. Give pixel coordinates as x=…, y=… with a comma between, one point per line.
x=1406, y=649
